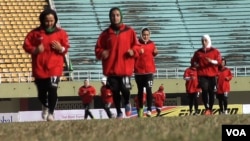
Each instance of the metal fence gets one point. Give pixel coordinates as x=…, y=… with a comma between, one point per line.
x=96, y=75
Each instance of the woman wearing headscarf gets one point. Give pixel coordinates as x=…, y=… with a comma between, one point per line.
x=115, y=48
x=206, y=60
x=145, y=69
x=47, y=45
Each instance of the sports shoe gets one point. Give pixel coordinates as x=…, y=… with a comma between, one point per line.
x=226, y=112
x=140, y=112
x=119, y=116
x=50, y=117
x=45, y=112
x=148, y=114
x=207, y=112
x=128, y=109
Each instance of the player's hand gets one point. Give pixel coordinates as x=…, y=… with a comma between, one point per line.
x=105, y=54
x=57, y=46
x=155, y=51
x=39, y=49
x=208, y=59
x=130, y=52
x=141, y=51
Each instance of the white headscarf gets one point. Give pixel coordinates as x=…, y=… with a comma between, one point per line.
x=206, y=36
x=141, y=33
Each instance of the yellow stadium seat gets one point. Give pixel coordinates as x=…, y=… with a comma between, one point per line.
x=14, y=61
x=5, y=69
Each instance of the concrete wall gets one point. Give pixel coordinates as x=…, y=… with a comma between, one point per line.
x=11, y=92
x=172, y=86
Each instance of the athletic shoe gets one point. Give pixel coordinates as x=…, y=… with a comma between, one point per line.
x=50, y=117
x=45, y=112
x=148, y=114
x=221, y=112
x=128, y=109
x=119, y=116
x=226, y=112
x=140, y=112
x=208, y=112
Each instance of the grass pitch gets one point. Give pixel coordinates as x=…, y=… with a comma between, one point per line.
x=188, y=128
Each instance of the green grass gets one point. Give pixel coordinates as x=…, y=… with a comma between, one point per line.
x=188, y=128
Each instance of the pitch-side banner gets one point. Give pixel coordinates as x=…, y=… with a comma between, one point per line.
x=25, y=116
x=9, y=117
x=184, y=110
x=167, y=111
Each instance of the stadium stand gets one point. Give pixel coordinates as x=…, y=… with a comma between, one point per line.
x=176, y=28
x=17, y=18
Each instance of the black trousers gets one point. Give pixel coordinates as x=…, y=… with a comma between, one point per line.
x=47, y=92
x=207, y=84
x=119, y=85
x=193, y=101
x=223, y=102
x=147, y=82
x=107, y=109
x=87, y=111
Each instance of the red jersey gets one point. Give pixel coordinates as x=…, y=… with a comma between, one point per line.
x=144, y=99
x=223, y=80
x=119, y=62
x=145, y=62
x=206, y=68
x=191, y=77
x=50, y=62
x=87, y=94
x=106, y=95
x=159, y=98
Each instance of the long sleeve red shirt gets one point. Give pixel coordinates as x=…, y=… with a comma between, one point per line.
x=159, y=98
x=191, y=77
x=119, y=62
x=223, y=80
x=87, y=94
x=106, y=95
x=205, y=68
x=50, y=62
x=145, y=62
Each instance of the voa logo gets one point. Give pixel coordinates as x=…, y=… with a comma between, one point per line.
x=236, y=132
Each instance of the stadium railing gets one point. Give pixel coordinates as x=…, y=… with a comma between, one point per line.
x=96, y=75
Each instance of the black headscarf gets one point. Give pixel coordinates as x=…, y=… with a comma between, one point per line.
x=43, y=16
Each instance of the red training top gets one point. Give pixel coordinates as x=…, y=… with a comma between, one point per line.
x=119, y=62
x=191, y=77
x=223, y=80
x=205, y=68
x=145, y=62
x=87, y=94
x=106, y=95
x=159, y=98
x=50, y=62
